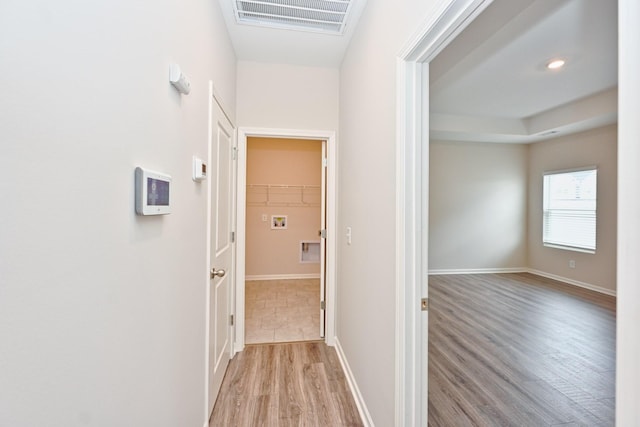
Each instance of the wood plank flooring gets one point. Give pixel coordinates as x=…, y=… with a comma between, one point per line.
x=290, y=384
x=519, y=350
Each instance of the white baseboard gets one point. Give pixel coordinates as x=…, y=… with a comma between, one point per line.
x=524, y=270
x=478, y=271
x=282, y=276
x=353, y=386
x=573, y=282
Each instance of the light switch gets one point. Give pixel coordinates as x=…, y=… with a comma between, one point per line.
x=264, y=217
x=348, y=234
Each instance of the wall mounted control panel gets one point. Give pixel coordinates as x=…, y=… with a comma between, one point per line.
x=153, y=192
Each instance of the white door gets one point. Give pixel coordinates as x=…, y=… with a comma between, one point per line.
x=323, y=234
x=221, y=143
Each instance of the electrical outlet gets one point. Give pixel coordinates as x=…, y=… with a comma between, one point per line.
x=264, y=217
x=572, y=263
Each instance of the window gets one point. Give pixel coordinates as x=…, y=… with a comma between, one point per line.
x=569, y=210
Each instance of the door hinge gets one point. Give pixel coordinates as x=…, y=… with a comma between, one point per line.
x=233, y=237
x=235, y=153
x=323, y=305
x=424, y=304
x=231, y=320
x=323, y=233
x=325, y=162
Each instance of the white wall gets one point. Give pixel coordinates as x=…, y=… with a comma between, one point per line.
x=102, y=312
x=477, y=206
x=287, y=96
x=596, y=147
x=366, y=318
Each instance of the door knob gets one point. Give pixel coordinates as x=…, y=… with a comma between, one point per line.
x=217, y=273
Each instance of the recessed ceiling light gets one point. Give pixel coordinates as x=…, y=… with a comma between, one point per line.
x=555, y=64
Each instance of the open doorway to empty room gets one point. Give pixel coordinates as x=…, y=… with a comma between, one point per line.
x=283, y=250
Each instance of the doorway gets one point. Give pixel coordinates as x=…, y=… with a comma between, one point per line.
x=413, y=183
x=284, y=286
x=412, y=203
x=281, y=221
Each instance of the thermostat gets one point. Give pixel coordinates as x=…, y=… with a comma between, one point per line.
x=153, y=192
x=199, y=169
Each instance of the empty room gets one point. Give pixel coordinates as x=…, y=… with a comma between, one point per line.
x=522, y=218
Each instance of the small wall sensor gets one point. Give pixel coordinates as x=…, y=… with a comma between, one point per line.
x=199, y=169
x=178, y=79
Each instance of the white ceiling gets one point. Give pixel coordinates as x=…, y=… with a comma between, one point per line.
x=491, y=83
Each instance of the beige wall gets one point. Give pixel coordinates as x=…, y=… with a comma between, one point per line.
x=290, y=162
x=486, y=206
x=597, y=147
x=477, y=206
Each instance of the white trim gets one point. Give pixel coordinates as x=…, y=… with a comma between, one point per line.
x=331, y=241
x=410, y=264
x=568, y=248
x=281, y=276
x=365, y=416
x=207, y=262
x=216, y=96
x=446, y=21
x=628, y=245
x=241, y=215
x=573, y=282
x=580, y=169
x=442, y=272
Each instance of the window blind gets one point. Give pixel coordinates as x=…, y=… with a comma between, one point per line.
x=569, y=209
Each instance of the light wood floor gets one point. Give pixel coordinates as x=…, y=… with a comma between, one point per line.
x=519, y=350
x=291, y=384
x=282, y=310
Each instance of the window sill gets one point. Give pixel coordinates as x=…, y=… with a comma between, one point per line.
x=570, y=248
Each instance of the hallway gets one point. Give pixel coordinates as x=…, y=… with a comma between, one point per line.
x=289, y=384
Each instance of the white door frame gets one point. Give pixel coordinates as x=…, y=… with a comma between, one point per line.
x=330, y=137
x=628, y=270
x=446, y=21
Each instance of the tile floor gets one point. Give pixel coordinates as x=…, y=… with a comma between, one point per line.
x=282, y=310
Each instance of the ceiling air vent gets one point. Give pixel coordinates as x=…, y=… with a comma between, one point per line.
x=326, y=16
